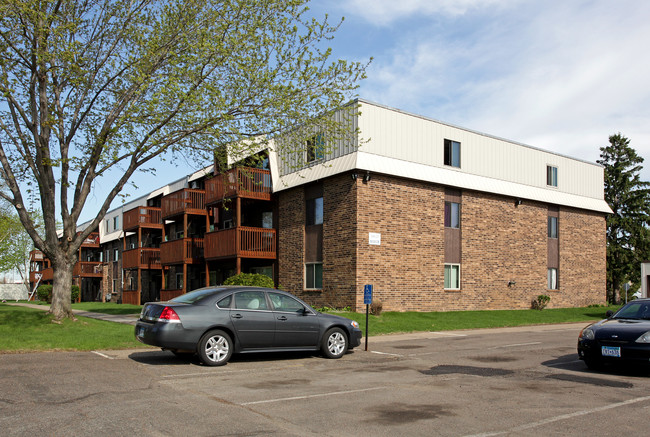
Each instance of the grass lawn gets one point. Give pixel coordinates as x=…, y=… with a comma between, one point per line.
x=107, y=307
x=26, y=329
x=392, y=322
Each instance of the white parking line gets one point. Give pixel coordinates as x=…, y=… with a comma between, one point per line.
x=296, y=398
x=103, y=355
x=447, y=334
x=516, y=345
x=386, y=353
x=563, y=417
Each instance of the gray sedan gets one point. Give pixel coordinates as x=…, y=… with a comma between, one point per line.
x=215, y=322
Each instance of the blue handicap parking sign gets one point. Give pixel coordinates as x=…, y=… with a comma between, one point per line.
x=367, y=294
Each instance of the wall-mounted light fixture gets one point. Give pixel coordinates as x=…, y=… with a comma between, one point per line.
x=354, y=176
x=512, y=283
x=517, y=202
x=366, y=177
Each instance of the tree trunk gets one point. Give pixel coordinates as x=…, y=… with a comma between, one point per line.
x=61, y=291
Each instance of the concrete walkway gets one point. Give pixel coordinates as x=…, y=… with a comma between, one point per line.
x=129, y=319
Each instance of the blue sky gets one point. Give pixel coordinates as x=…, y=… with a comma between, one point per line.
x=561, y=75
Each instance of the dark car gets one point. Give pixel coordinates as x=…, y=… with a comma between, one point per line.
x=623, y=337
x=215, y=322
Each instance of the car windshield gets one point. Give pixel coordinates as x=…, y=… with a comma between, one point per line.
x=634, y=310
x=194, y=296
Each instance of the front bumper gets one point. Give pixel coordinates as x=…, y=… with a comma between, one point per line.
x=630, y=352
x=355, y=338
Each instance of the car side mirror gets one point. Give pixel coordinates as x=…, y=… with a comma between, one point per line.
x=609, y=314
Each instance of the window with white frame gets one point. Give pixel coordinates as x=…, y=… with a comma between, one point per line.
x=452, y=276
x=551, y=176
x=552, y=227
x=552, y=279
x=314, y=276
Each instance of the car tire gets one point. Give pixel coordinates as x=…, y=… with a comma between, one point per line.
x=335, y=343
x=215, y=348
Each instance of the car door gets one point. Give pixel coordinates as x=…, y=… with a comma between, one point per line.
x=294, y=327
x=253, y=320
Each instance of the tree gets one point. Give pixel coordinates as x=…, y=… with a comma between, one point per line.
x=15, y=244
x=629, y=198
x=101, y=88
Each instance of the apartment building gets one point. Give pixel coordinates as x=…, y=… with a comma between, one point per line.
x=434, y=216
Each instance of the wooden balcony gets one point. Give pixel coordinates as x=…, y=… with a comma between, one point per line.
x=143, y=217
x=46, y=275
x=88, y=269
x=185, y=201
x=36, y=256
x=246, y=182
x=181, y=251
x=166, y=295
x=242, y=242
x=141, y=258
x=91, y=240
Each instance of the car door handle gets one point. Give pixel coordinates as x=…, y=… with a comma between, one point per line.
x=282, y=318
x=236, y=316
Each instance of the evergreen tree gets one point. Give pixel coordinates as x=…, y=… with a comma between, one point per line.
x=627, y=232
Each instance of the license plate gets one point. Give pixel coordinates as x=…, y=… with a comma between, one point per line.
x=140, y=332
x=610, y=351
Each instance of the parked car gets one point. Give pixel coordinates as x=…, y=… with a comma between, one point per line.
x=215, y=322
x=623, y=337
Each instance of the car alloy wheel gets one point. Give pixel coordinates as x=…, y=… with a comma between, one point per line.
x=215, y=348
x=335, y=343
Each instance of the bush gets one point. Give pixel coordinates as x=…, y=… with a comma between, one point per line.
x=74, y=293
x=251, y=280
x=541, y=302
x=376, y=307
x=44, y=293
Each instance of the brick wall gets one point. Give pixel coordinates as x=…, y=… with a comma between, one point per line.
x=500, y=242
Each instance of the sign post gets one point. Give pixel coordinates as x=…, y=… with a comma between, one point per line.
x=367, y=299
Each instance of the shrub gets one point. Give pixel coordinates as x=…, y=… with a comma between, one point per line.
x=376, y=307
x=44, y=293
x=74, y=293
x=251, y=280
x=541, y=302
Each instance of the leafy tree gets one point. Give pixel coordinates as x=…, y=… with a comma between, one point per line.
x=15, y=244
x=102, y=88
x=250, y=279
x=627, y=232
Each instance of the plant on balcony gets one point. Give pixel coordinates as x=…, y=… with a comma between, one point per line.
x=250, y=280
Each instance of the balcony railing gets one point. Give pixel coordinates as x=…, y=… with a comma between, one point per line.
x=247, y=182
x=181, y=251
x=185, y=201
x=141, y=258
x=88, y=269
x=166, y=295
x=46, y=275
x=91, y=240
x=143, y=216
x=244, y=242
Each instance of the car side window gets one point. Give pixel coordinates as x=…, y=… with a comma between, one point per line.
x=250, y=300
x=225, y=302
x=285, y=303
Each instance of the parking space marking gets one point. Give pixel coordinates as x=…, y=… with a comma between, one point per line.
x=449, y=334
x=517, y=345
x=563, y=417
x=386, y=353
x=297, y=398
x=103, y=355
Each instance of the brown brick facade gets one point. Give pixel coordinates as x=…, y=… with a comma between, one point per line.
x=501, y=242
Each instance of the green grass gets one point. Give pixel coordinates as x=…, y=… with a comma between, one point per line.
x=26, y=329
x=393, y=322
x=107, y=307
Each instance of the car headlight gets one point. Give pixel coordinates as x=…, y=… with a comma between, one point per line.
x=587, y=334
x=355, y=324
x=645, y=338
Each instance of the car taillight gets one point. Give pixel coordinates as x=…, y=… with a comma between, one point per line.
x=168, y=315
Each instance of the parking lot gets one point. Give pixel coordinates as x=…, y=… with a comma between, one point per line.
x=511, y=381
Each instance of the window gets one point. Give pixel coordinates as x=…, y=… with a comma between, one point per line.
x=107, y=229
x=116, y=223
x=315, y=148
x=179, y=281
x=552, y=227
x=116, y=254
x=552, y=279
x=285, y=303
x=452, y=215
x=250, y=300
x=551, y=176
x=452, y=276
x=314, y=276
x=452, y=153
x=315, y=211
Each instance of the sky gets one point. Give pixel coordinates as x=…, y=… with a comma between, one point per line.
x=561, y=75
